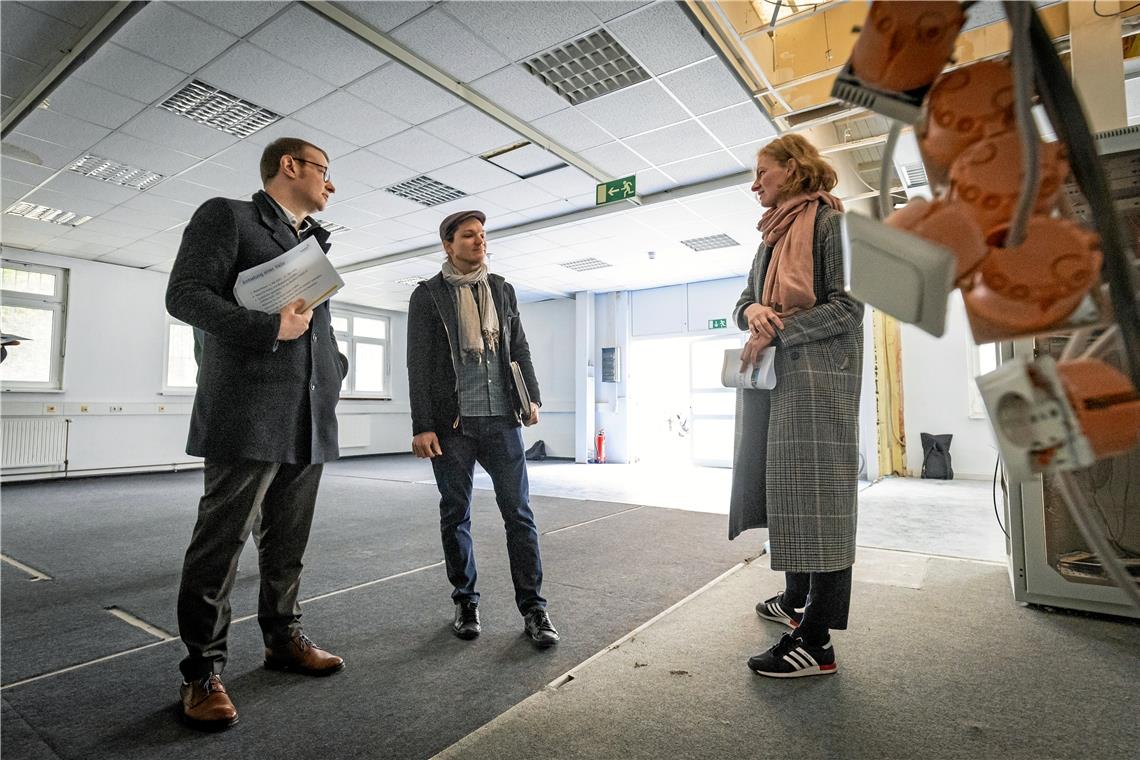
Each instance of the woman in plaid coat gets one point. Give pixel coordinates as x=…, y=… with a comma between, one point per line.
x=795, y=468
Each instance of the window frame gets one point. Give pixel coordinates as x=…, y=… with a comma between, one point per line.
x=167, y=388
x=977, y=410
x=56, y=304
x=350, y=312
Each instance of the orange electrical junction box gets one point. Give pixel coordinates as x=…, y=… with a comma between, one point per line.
x=962, y=107
x=903, y=45
x=949, y=224
x=1105, y=403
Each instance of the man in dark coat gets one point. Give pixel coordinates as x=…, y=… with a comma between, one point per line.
x=264, y=420
x=463, y=334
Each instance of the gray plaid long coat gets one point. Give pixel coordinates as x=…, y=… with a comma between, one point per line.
x=796, y=462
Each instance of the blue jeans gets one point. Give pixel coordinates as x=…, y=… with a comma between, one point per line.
x=495, y=443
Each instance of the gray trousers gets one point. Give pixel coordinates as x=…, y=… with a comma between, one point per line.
x=235, y=493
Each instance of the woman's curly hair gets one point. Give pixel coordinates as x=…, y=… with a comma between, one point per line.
x=812, y=171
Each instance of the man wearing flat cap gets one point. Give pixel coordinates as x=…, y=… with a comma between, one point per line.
x=463, y=334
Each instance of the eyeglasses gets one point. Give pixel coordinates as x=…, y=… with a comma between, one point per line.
x=322, y=167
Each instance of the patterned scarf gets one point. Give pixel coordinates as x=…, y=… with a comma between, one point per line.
x=789, y=231
x=478, y=322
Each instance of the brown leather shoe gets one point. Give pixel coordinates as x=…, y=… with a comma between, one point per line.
x=301, y=655
x=205, y=704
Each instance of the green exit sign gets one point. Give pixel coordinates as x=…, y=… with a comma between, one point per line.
x=718, y=324
x=617, y=190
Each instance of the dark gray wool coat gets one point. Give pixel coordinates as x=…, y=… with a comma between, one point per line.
x=258, y=398
x=796, y=462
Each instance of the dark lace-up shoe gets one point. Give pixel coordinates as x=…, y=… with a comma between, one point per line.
x=301, y=655
x=794, y=658
x=206, y=706
x=775, y=609
x=466, y=625
x=540, y=629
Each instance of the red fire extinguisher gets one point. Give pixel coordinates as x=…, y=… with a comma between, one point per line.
x=600, y=446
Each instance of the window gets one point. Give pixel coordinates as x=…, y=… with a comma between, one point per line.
x=181, y=372
x=364, y=336
x=983, y=360
x=34, y=308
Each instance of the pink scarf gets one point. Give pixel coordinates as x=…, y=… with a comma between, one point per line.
x=789, y=231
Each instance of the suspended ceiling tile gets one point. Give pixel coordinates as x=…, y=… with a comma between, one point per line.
x=153, y=204
x=674, y=143
x=21, y=18
x=662, y=37
x=61, y=129
x=249, y=72
x=740, y=124
x=83, y=100
x=440, y=40
x=153, y=222
x=361, y=239
x=392, y=231
x=76, y=249
x=245, y=156
x=571, y=129
x=71, y=183
x=419, y=150
x=333, y=146
x=634, y=109
x=128, y=73
x=132, y=256
x=616, y=159
x=133, y=151
x=117, y=229
x=327, y=51
x=472, y=131
x=166, y=34
x=78, y=14
x=747, y=152
x=19, y=76
x=607, y=11
x=348, y=189
x=519, y=93
x=351, y=119
x=39, y=152
x=12, y=191
x=706, y=86
x=517, y=196
x=652, y=181
x=399, y=90
x=237, y=18
x=372, y=170
x=384, y=204
x=473, y=175
x=384, y=16
x=21, y=171
x=567, y=182
x=694, y=170
x=520, y=29
x=177, y=132
x=29, y=233
x=349, y=216
x=219, y=178
x=68, y=202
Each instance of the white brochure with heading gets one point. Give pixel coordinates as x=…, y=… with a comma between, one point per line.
x=301, y=272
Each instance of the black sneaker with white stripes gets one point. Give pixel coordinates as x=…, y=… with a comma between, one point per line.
x=792, y=658
x=774, y=609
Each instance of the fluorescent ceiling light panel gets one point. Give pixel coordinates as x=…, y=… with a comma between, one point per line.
x=585, y=265
x=332, y=227
x=46, y=214
x=411, y=282
x=106, y=170
x=587, y=68
x=426, y=191
x=710, y=243
x=216, y=108
x=524, y=160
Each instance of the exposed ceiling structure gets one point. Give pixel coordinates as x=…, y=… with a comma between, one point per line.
x=426, y=108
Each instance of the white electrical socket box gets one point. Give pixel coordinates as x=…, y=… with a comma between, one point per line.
x=1033, y=422
x=897, y=272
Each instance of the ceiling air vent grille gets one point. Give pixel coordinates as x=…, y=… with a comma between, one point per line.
x=46, y=214
x=914, y=174
x=215, y=108
x=587, y=68
x=332, y=227
x=107, y=170
x=410, y=282
x=710, y=243
x=426, y=190
x=585, y=265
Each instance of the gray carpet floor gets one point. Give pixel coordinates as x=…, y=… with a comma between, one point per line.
x=938, y=663
x=410, y=688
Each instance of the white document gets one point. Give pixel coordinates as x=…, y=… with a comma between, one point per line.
x=301, y=272
x=759, y=376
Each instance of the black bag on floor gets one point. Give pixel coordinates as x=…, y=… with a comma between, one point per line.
x=936, y=456
x=537, y=452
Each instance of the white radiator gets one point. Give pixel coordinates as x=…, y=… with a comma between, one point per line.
x=33, y=441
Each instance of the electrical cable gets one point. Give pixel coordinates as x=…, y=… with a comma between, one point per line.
x=1065, y=113
x=1120, y=12
x=1022, y=54
x=993, y=493
x=885, y=168
x=1094, y=534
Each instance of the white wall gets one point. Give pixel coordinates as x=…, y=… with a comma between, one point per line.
x=550, y=331
x=114, y=353
x=936, y=381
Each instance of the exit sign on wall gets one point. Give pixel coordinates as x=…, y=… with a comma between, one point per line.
x=718, y=324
